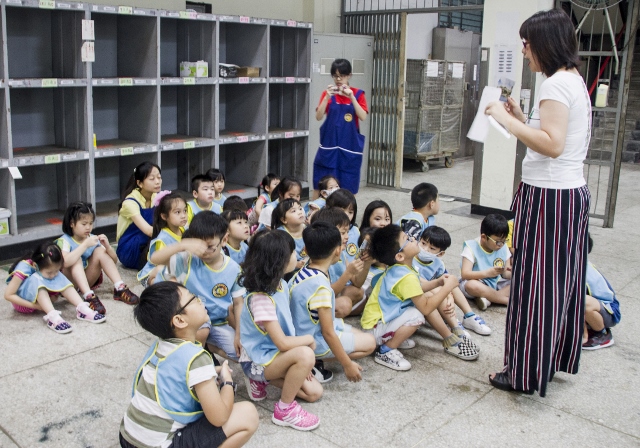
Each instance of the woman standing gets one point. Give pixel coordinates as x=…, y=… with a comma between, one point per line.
x=546, y=308
x=341, y=143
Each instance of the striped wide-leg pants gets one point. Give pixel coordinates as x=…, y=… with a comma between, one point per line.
x=545, y=315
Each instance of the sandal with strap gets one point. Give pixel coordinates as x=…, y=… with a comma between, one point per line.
x=57, y=323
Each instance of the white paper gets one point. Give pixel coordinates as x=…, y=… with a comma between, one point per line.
x=458, y=69
x=480, y=127
x=88, y=32
x=88, y=52
x=432, y=69
x=15, y=172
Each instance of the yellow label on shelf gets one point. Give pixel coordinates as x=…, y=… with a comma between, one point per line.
x=125, y=81
x=47, y=4
x=126, y=151
x=51, y=82
x=188, y=80
x=189, y=145
x=125, y=9
x=53, y=158
x=187, y=15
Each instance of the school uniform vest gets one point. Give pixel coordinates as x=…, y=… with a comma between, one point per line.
x=377, y=273
x=599, y=288
x=391, y=306
x=172, y=390
x=73, y=244
x=300, y=252
x=337, y=269
x=213, y=286
x=429, y=271
x=34, y=281
x=238, y=255
x=352, y=244
x=319, y=203
x=304, y=285
x=413, y=217
x=193, y=209
x=220, y=201
x=167, y=238
x=485, y=260
x=257, y=343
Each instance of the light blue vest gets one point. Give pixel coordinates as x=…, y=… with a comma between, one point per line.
x=377, y=273
x=172, y=390
x=391, y=305
x=272, y=204
x=304, y=285
x=484, y=260
x=300, y=252
x=257, y=343
x=74, y=245
x=417, y=217
x=213, y=286
x=352, y=244
x=195, y=208
x=220, y=201
x=599, y=288
x=238, y=255
x=34, y=281
x=320, y=203
x=337, y=269
x=429, y=271
x=168, y=238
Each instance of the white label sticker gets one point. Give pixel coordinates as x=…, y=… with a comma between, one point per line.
x=88, y=30
x=88, y=52
x=432, y=69
x=458, y=70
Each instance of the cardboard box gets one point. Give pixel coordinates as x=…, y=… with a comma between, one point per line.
x=251, y=72
x=4, y=221
x=187, y=69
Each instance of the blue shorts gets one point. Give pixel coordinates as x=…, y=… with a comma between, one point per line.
x=222, y=336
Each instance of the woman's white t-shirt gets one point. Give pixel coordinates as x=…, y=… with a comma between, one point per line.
x=565, y=171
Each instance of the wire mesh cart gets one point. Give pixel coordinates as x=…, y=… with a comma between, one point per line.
x=433, y=110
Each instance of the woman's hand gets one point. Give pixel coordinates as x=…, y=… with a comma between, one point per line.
x=498, y=110
x=513, y=108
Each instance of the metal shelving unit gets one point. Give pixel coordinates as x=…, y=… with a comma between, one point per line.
x=133, y=99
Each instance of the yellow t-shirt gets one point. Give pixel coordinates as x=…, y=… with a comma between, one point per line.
x=129, y=210
x=509, y=240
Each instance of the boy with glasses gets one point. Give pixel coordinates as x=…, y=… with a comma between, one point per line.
x=486, y=264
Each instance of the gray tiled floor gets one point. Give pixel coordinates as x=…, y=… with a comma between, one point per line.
x=71, y=390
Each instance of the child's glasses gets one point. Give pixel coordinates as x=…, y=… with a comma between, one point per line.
x=180, y=311
x=410, y=239
x=497, y=243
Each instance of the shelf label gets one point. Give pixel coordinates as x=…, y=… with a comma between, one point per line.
x=14, y=2
x=139, y=81
x=88, y=30
x=290, y=79
x=70, y=157
x=64, y=6
x=125, y=9
x=108, y=153
x=53, y=158
x=242, y=139
x=288, y=134
x=128, y=151
x=66, y=82
x=125, y=81
x=189, y=145
x=167, y=147
x=16, y=83
x=188, y=80
x=188, y=14
x=302, y=133
x=245, y=19
x=106, y=81
x=47, y=4
x=243, y=80
x=292, y=23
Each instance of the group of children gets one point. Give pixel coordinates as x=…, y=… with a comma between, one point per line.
x=268, y=287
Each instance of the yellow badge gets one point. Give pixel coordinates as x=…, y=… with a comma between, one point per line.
x=498, y=263
x=220, y=290
x=348, y=118
x=303, y=253
x=352, y=249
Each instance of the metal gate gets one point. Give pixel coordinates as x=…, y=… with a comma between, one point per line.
x=604, y=157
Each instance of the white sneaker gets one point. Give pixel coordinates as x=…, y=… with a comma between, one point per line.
x=407, y=344
x=482, y=303
x=476, y=324
x=392, y=359
x=465, y=350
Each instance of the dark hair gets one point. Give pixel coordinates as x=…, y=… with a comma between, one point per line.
x=196, y=181
x=385, y=245
x=494, y=224
x=589, y=243
x=332, y=215
x=342, y=66
x=207, y=225
x=45, y=255
x=343, y=198
x=422, y=194
x=266, y=181
x=234, y=214
x=552, y=39
x=215, y=175
x=140, y=173
x=369, y=231
x=235, y=202
x=285, y=185
x=74, y=213
x=437, y=237
x=281, y=210
x=368, y=211
x=266, y=260
x=320, y=240
x=156, y=308
x=164, y=208
x=323, y=184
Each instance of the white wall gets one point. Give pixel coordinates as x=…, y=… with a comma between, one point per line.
x=420, y=35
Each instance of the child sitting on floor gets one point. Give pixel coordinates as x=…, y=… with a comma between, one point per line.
x=426, y=204
x=203, y=193
x=238, y=234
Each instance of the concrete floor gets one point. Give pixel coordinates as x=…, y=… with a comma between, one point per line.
x=72, y=390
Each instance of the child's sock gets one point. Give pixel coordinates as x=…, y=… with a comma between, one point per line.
x=84, y=308
x=384, y=349
x=119, y=285
x=87, y=294
x=469, y=314
x=284, y=406
x=458, y=330
x=451, y=341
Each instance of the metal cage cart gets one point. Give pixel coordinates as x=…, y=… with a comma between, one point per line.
x=433, y=110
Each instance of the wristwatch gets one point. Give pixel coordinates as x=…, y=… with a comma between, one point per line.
x=230, y=383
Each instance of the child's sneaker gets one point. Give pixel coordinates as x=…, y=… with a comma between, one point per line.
x=482, y=303
x=257, y=390
x=125, y=295
x=57, y=323
x=95, y=304
x=295, y=416
x=83, y=312
x=392, y=359
x=599, y=340
x=476, y=324
x=407, y=344
x=465, y=350
x=323, y=375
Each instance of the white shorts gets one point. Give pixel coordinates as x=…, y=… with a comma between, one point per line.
x=348, y=341
x=502, y=283
x=411, y=317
